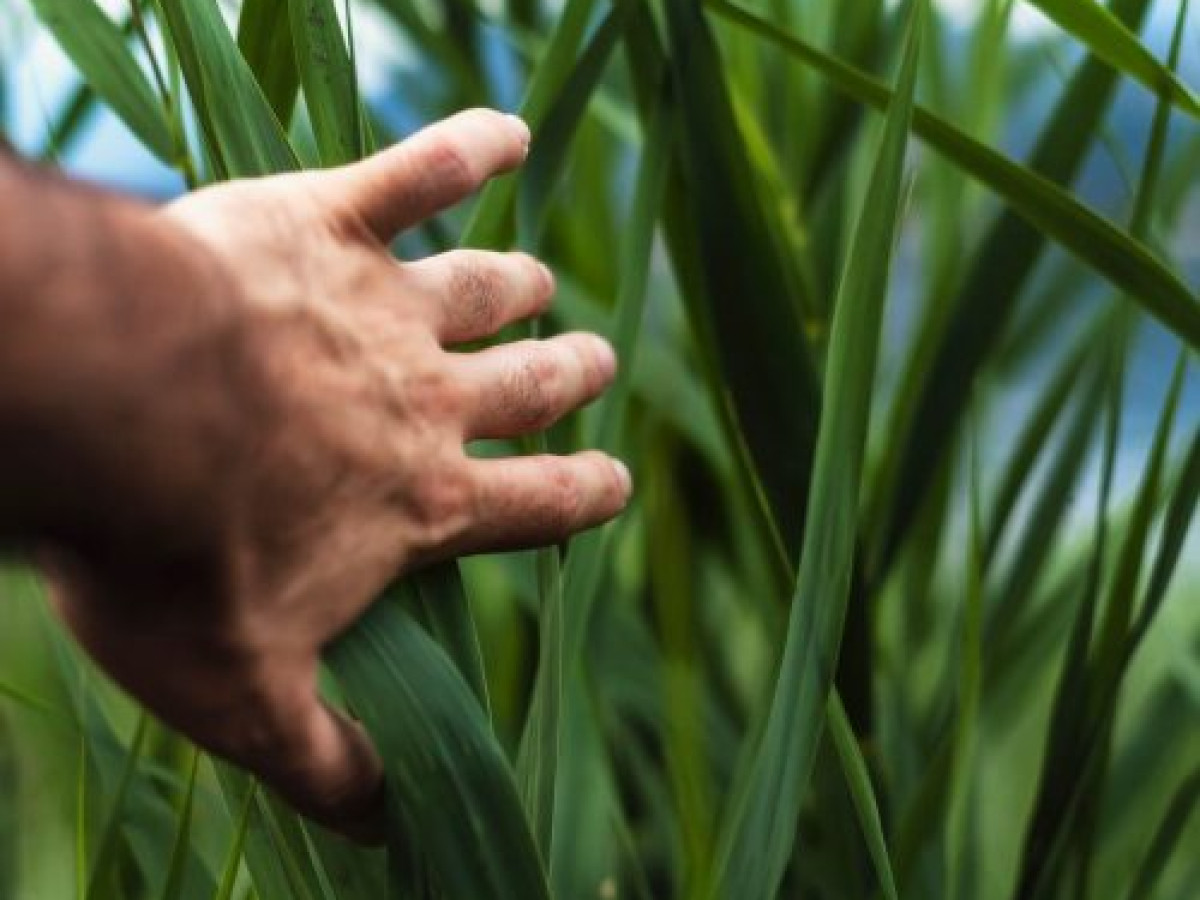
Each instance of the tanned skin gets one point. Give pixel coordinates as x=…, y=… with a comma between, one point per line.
x=227, y=423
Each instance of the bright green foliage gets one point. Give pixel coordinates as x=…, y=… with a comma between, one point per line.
x=98, y=48
x=901, y=607
x=757, y=843
x=1105, y=36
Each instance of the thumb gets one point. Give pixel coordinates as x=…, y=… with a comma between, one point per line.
x=430, y=171
x=324, y=765
x=265, y=715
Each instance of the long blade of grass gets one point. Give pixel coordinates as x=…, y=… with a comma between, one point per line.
x=541, y=742
x=272, y=851
x=757, y=841
x=450, y=791
x=108, y=847
x=1162, y=845
x=1119, y=611
x=547, y=156
x=858, y=779
x=10, y=824
x=1078, y=758
x=1180, y=512
x=330, y=83
x=1111, y=41
x=490, y=222
x=1033, y=193
x=239, y=125
x=652, y=71
x=181, y=849
x=265, y=39
x=586, y=556
x=770, y=391
x=1087, y=689
x=97, y=46
x=81, y=815
x=447, y=613
x=233, y=857
x=1033, y=437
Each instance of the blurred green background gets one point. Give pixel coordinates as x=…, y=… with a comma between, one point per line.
x=1020, y=659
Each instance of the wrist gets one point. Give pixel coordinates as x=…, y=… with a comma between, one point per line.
x=111, y=312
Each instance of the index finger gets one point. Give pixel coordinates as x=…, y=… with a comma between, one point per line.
x=434, y=169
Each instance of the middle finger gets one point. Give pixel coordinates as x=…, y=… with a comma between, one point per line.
x=527, y=386
x=475, y=293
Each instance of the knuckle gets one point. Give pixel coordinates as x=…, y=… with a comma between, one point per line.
x=566, y=498
x=435, y=394
x=475, y=292
x=440, y=504
x=446, y=162
x=530, y=389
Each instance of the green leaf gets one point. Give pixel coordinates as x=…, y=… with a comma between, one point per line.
x=1180, y=512
x=109, y=846
x=1112, y=42
x=547, y=155
x=586, y=556
x=265, y=39
x=181, y=849
x=858, y=779
x=274, y=847
x=447, y=613
x=757, y=841
x=1162, y=845
x=769, y=389
x=1051, y=504
x=99, y=50
x=490, y=220
x=1049, y=209
x=450, y=791
x=330, y=83
x=10, y=817
x=1034, y=435
x=541, y=741
x=233, y=858
x=1116, y=626
x=239, y=126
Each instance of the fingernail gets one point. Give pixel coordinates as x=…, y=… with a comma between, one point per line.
x=547, y=275
x=623, y=476
x=521, y=129
x=605, y=356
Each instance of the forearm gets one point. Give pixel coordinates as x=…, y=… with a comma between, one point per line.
x=84, y=278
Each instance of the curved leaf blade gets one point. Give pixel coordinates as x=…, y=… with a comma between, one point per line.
x=757, y=841
x=450, y=790
x=98, y=48
x=1111, y=41
x=1126, y=262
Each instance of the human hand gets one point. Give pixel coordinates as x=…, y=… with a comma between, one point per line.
x=278, y=474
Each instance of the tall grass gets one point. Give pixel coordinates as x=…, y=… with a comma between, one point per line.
x=905, y=605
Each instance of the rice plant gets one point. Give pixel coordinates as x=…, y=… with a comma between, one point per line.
x=907, y=601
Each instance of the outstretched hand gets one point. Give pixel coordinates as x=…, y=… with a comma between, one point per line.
x=278, y=472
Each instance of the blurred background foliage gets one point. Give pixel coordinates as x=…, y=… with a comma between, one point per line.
x=982, y=534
